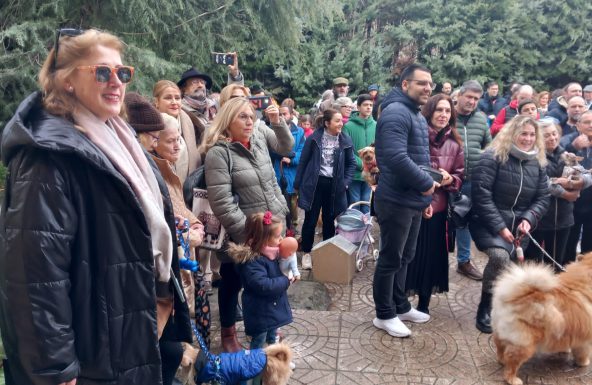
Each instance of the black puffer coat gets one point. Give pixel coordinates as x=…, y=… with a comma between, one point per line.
x=77, y=290
x=503, y=194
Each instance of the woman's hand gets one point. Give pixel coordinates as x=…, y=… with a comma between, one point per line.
x=196, y=234
x=570, y=196
x=428, y=212
x=524, y=227
x=506, y=235
x=447, y=178
x=273, y=114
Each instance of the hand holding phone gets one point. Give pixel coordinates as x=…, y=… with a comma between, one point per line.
x=223, y=58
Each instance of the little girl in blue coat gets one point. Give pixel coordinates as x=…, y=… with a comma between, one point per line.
x=265, y=298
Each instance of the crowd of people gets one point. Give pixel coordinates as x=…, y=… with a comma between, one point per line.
x=96, y=285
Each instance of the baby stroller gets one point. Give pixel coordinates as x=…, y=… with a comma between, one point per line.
x=355, y=226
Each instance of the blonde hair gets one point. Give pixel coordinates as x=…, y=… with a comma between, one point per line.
x=219, y=128
x=54, y=74
x=502, y=143
x=161, y=86
x=226, y=93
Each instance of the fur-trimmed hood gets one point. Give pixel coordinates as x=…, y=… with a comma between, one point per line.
x=241, y=253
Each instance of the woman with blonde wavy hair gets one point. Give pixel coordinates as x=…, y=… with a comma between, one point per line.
x=241, y=181
x=86, y=238
x=510, y=194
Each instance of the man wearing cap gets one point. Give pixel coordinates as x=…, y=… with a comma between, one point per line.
x=340, y=89
x=588, y=95
x=373, y=91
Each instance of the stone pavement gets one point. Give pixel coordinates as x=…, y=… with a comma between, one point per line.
x=341, y=346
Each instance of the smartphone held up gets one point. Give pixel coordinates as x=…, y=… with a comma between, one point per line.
x=260, y=102
x=223, y=58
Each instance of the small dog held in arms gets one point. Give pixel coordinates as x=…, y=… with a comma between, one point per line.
x=272, y=363
x=535, y=310
x=370, y=170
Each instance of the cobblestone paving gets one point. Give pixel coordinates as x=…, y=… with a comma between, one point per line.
x=341, y=346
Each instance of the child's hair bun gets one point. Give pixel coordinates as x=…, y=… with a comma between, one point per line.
x=288, y=246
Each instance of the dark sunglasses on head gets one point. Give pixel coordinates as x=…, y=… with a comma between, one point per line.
x=103, y=72
x=70, y=32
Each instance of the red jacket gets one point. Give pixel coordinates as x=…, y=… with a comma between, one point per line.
x=446, y=153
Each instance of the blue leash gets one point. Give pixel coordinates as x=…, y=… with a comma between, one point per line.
x=214, y=360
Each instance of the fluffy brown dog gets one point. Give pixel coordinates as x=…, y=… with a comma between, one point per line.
x=536, y=310
x=370, y=170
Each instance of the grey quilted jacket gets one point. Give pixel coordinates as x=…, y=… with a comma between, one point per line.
x=250, y=186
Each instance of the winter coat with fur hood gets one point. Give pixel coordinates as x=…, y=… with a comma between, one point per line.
x=265, y=295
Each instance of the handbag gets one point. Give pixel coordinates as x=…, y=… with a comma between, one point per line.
x=215, y=235
x=459, y=207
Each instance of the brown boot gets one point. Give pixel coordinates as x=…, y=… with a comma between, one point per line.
x=230, y=343
x=468, y=270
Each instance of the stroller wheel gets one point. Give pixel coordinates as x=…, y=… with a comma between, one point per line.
x=375, y=254
x=359, y=265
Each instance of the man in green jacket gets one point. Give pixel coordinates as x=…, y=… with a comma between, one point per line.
x=472, y=127
x=361, y=127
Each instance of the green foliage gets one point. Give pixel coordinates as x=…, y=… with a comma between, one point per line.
x=296, y=47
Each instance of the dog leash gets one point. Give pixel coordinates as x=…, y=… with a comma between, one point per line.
x=544, y=252
x=214, y=360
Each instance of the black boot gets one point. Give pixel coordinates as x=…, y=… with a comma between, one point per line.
x=424, y=303
x=484, y=313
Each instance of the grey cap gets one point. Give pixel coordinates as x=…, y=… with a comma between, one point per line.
x=588, y=88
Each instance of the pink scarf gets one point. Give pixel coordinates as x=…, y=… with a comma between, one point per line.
x=115, y=139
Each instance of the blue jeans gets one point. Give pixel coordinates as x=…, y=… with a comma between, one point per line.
x=359, y=191
x=463, y=236
x=257, y=341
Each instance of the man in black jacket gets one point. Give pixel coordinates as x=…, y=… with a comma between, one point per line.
x=403, y=194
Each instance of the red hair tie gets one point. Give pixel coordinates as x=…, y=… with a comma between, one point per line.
x=267, y=218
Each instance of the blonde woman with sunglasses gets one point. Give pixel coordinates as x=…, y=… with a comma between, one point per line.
x=85, y=244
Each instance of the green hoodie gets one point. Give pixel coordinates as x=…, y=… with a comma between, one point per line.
x=362, y=133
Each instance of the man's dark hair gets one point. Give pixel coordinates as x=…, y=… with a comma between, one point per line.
x=363, y=98
x=492, y=83
x=410, y=69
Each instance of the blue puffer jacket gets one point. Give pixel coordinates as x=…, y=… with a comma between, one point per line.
x=290, y=170
x=265, y=295
x=234, y=367
x=309, y=170
x=401, y=145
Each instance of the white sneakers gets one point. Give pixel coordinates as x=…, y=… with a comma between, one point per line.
x=306, y=262
x=292, y=365
x=395, y=326
x=392, y=326
x=415, y=316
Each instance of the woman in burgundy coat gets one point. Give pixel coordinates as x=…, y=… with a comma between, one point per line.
x=428, y=272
